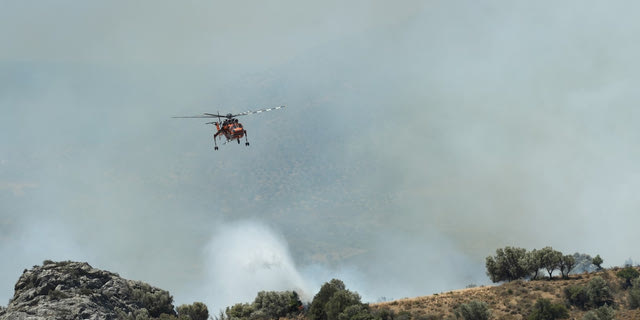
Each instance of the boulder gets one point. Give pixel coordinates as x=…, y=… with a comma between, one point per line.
x=75, y=290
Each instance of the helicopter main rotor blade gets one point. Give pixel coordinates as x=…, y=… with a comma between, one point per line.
x=205, y=115
x=257, y=111
x=230, y=116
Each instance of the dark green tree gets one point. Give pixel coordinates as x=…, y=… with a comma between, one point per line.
x=317, y=310
x=240, y=311
x=508, y=264
x=545, y=310
x=340, y=301
x=332, y=299
x=534, y=263
x=274, y=305
x=566, y=264
x=156, y=301
x=266, y=305
x=597, y=261
x=551, y=260
x=195, y=311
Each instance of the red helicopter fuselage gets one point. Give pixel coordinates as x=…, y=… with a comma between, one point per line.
x=231, y=129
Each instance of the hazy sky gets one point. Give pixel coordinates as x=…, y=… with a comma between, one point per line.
x=418, y=138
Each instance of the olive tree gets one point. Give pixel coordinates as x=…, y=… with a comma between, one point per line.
x=551, y=260
x=566, y=264
x=508, y=264
x=534, y=263
x=597, y=261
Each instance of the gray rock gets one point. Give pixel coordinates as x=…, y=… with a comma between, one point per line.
x=75, y=290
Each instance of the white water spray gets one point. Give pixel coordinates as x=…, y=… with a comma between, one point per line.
x=246, y=257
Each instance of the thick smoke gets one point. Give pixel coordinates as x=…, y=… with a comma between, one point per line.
x=417, y=139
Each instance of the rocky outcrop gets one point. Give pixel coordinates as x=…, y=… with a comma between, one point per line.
x=75, y=290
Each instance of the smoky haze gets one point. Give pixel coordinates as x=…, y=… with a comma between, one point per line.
x=417, y=139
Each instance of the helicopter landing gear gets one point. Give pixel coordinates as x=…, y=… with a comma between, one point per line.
x=246, y=141
x=215, y=143
x=215, y=148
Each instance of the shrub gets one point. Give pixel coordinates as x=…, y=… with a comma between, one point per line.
x=195, y=311
x=356, y=312
x=140, y=314
x=602, y=313
x=384, y=314
x=545, y=310
x=576, y=295
x=474, y=310
x=634, y=294
x=598, y=292
x=156, y=301
x=628, y=274
x=403, y=315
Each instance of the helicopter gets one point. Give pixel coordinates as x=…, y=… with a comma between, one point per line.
x=230, y=127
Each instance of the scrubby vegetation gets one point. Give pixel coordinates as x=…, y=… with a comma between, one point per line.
x=545, y=310
x=634, y=294
x=628, y=274
x=195, y=311
x=602, y=313
x=590, y=295
x=474, y=310
x=267, y=305
x=575, y=287
x=156, y=302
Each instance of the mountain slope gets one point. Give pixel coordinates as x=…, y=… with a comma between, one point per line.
x=513, y=300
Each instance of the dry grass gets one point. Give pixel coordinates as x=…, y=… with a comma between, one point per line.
x=512, y=300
